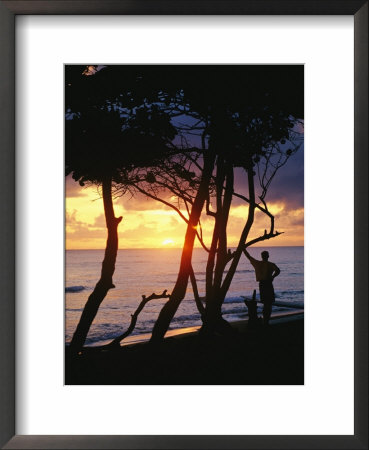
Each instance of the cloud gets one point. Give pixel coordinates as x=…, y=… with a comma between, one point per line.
x=75, y=225
x=287, y=186
x=140, y=203
x=287, y=220
x=99, y=222
x=80, y=234
x=145, y=236
x=73, y=188
x=148, y=223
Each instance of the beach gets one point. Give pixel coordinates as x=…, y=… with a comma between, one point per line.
x=258, y=355
x=144, y=271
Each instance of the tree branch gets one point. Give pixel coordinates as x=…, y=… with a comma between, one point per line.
x=117, y=340
x=265, y=237
x=198, y=301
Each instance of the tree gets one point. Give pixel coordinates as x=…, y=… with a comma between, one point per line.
x=104, y=138
x=241, y=113
x=271, y=156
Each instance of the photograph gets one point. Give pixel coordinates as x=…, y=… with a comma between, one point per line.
x=184, y=224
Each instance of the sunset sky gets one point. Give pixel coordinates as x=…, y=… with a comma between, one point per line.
x=149, y=224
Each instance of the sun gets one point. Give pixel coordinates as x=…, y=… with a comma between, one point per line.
x=168, y=242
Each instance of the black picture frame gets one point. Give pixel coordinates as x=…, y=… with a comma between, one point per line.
x=8, y=12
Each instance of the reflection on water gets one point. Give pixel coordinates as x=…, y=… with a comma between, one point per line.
x=141, y=272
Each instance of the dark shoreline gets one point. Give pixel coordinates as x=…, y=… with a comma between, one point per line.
x=260, y=356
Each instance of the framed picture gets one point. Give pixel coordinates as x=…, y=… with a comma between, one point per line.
x=326, y=407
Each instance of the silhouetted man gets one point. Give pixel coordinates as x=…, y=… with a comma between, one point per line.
x=265, y=272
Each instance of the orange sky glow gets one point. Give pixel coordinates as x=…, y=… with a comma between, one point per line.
x=149, y=224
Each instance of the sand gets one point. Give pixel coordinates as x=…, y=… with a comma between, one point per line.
x=271, y=355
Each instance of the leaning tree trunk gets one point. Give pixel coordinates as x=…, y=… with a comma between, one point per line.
x=245, y=232
x=179, y=291
x=108, y=266
x=213, y=320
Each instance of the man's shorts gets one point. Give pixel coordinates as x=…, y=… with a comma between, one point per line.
x=266, y=292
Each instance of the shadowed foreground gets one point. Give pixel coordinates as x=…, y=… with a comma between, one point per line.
x=272, y=356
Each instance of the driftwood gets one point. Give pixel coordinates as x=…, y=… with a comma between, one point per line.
x=134, y=317
x=116, y=342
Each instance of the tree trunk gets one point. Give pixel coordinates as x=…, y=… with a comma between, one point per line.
x=213, y=315
x=200, y=306
x=106, y=279
x=213, y=320
x=179, y=291
x=245, y=232
x=219, y=181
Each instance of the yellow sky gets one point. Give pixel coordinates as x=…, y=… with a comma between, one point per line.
x=149, y=224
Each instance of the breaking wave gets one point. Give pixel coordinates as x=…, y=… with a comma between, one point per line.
x=74, y=288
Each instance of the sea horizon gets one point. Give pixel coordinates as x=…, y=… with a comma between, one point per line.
x=180, y=248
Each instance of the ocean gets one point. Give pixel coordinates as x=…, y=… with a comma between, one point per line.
x=144, y=271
